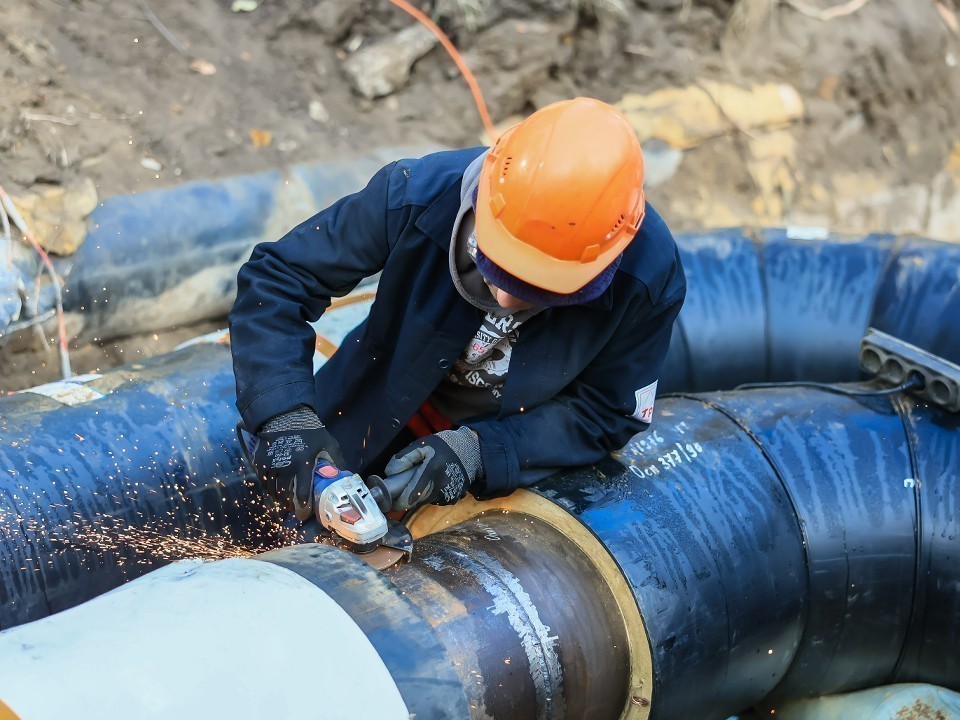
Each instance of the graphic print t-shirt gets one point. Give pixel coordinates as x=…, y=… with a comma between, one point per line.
x=474, y=385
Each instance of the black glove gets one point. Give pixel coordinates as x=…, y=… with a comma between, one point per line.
x=287, y=453
x=447, y=464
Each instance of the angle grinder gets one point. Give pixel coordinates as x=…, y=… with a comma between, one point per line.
x=352, y=511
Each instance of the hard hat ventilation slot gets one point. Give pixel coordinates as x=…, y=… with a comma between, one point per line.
x=506, y=165
x=617, y=225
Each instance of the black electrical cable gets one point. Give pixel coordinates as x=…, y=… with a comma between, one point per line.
x=914, y=382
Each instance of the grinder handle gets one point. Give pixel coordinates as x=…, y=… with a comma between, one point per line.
x=386, y=490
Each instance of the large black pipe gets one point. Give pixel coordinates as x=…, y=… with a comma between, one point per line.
x=779, y=543
x=539, y=627
x=502, y=616
x=726, y=546
x=148, y=446
x=773, y=305
x=761, y=307
x=758, y=546
x=787, y=542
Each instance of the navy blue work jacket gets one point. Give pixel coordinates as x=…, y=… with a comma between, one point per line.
x=572, y=388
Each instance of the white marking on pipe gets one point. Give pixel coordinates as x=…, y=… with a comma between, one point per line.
x=510, y=599
x=69, y=392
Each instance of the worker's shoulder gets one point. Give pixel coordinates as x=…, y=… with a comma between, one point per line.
x=420, y=181
x=653, y=260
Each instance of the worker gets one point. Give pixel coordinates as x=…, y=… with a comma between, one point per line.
x=522, y=316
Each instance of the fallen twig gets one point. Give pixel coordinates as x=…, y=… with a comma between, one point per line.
x=847, y=8
x=31, y=322
x=48, y=118
x=639, y=50
x=161, y=28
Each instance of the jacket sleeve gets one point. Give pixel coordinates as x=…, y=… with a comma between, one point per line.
x=594, y=415
x=289, y=282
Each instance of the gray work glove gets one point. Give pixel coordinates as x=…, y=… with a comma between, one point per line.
x=290, y=445
x=446, y=463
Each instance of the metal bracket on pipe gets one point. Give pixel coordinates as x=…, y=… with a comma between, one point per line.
x=893, y=360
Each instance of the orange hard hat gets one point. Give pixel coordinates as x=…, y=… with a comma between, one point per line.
x=561, y=195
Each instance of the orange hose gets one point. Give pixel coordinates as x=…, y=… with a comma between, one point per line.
x=327, y=347
x=352, y=299
x=458, y=60
x=6, y=713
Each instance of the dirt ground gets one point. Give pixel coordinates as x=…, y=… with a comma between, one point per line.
x=139, y=94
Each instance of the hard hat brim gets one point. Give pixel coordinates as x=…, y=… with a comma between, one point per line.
x=539, y=297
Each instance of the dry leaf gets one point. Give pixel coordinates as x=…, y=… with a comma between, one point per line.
x=203, y=67
x=261, y=138
x=828, y=87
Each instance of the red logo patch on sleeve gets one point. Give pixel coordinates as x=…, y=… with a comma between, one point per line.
x=645, y=398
